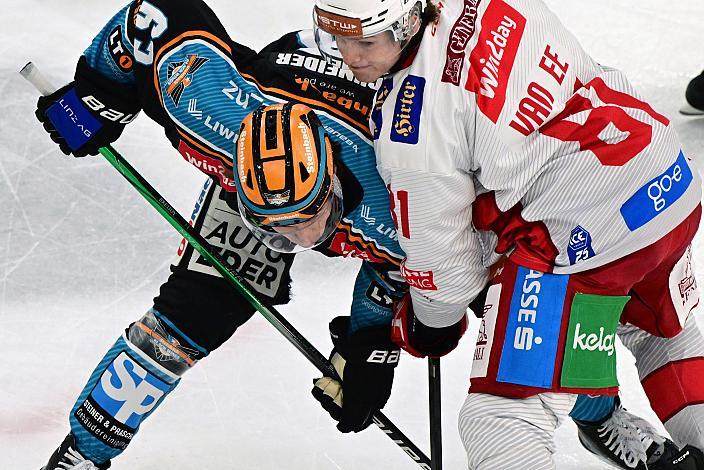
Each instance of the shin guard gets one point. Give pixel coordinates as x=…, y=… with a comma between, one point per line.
x=140, y=369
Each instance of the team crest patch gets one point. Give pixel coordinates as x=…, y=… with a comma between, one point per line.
x=180, y=75
x=379, y=295
x=580, y=245
x=277, y=199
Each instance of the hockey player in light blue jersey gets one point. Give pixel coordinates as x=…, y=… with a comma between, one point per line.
x=174, y=61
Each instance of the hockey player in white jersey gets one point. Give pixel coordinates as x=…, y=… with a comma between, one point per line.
x=497, y=135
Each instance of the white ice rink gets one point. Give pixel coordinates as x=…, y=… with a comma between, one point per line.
x=82, y=255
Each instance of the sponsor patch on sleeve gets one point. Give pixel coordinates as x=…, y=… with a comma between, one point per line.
x=533, y=329
x=422, y=280
x=118, y=51
x=657, y=194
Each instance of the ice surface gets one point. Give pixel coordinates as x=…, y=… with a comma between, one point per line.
x=81, y=255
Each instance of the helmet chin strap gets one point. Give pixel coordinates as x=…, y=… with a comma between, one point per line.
x=410, y=45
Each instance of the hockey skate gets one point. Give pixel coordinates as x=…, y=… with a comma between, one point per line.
x=67, y=457
x=627, y=441
x=695, y=97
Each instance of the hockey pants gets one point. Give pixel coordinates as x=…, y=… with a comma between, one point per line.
x=517, y=433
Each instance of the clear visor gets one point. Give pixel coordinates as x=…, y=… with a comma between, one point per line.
x=327, y=45
x=302, y=236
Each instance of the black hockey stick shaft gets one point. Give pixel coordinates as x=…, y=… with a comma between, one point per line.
x=32, y=74
x=434, y=401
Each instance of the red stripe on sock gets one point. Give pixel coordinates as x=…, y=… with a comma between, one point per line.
x=674, y=386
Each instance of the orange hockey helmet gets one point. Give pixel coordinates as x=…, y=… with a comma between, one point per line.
x=287, y=191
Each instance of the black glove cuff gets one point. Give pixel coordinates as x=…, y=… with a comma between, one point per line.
x=339, y=326
x=115, y=96
x=436, y=342
x=477, y=305
x=371, y=344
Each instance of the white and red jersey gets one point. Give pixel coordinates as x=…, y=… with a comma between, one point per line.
x=504, y=136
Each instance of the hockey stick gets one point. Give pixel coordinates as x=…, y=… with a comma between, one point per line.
x=34, y=76
x=434, y=401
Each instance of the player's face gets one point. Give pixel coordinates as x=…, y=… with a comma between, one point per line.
x=369, y=58
x=308, y=233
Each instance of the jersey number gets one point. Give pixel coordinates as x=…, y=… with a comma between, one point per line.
x=402, y=197
x=600, y=132
x=148, y=18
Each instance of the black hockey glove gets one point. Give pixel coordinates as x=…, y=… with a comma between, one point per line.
x=477, y=305
x=420, y=340
x=365, y=361
x=88, y=113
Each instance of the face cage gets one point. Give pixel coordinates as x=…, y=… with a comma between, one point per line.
x=285, y=243
x=327, y=44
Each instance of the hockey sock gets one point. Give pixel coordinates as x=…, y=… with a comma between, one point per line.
x=136, y=374
x=592, y=409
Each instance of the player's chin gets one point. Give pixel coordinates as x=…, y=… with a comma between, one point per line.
x=368, y=74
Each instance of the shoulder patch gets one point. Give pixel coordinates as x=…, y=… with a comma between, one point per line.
x=405, y=127
x=118, y=51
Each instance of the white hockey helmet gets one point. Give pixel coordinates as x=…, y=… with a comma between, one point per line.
x=362, y=19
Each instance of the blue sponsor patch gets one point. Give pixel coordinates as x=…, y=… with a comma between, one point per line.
x=657, y=194
x=72, y=120
x=580, y=245
x=381, y=95
x=533, y=329
x=127, y=391
x=409, y=103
